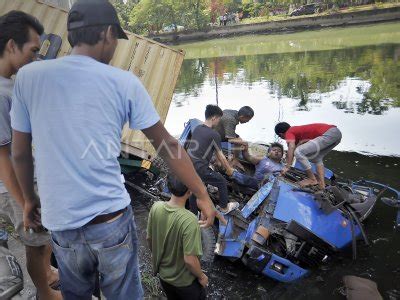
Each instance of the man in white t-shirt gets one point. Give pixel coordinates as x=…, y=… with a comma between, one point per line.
x=73, y=109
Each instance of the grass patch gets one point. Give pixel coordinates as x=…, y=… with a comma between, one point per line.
x=327, y=12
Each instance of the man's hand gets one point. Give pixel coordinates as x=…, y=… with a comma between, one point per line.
x=285, y=170
x=32, y=218
x=203, y=280
x=208, y=213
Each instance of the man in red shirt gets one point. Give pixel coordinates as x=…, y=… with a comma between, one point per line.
x=309, y=143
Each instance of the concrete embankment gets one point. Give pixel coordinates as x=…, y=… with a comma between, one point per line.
x=288, y=25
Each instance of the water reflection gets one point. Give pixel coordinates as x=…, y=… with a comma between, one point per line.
x=347, y=76
x=357, y=88
x=299, y=75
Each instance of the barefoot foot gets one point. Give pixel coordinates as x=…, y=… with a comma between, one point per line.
x=308, y=182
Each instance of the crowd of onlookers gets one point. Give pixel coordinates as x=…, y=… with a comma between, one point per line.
x=229, y=18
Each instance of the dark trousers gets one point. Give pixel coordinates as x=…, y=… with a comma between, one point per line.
x=245, y=180
x=192, y=292
x=213, y=178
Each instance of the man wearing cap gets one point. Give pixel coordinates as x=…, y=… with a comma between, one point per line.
x=73, y=110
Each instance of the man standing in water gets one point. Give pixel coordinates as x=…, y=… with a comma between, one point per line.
x=74, y=109
x=309, y=143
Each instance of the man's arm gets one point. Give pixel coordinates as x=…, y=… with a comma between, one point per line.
x=23, y=165
x=7, y=175
x=180, y=164
x=289, y=156
x=192, y=262
x=238, y=141
x=222, y=159
x=255, y=160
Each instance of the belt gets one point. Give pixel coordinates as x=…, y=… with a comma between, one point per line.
x=107, y=217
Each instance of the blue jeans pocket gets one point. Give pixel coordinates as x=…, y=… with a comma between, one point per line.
x=114, y=259
x=66, y=256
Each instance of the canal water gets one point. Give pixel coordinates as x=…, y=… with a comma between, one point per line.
x=349, y=77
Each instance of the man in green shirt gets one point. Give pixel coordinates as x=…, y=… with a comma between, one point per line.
x=174, y=238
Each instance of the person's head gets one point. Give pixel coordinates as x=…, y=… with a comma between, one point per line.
x=245, y=114
x=275, y=152
x=177, y=188
x=95, y=24
x=281, y=128
x=213, y=114
x=19, y=39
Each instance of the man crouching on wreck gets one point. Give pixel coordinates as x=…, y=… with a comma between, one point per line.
x=309, y=143
x=73, y=109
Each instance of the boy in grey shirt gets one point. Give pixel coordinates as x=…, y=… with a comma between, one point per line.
x=19, y=43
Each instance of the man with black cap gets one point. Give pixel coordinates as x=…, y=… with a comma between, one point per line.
x=73, y=110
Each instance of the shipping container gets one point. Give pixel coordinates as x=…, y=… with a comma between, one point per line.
x=156, y=65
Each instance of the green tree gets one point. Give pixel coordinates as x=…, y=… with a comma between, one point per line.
x=153, y=15
x=124, y=9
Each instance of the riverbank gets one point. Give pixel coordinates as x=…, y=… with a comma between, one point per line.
x=292, y=24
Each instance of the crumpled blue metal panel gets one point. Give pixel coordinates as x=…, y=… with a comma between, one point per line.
x=290, y=271
x=251, y=229
x=334, y=228
x=231, y=240
x=189, y=127
x=257, y=199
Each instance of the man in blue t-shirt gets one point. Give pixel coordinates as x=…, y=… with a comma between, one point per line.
x=73, y=110
x=264, y=165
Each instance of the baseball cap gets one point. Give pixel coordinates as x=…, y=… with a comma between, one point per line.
x=87, y=13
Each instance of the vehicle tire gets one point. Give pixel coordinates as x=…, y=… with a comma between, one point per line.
x=161, y=165
x=208, y=240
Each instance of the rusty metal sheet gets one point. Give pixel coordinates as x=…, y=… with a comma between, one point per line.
x=156, y=65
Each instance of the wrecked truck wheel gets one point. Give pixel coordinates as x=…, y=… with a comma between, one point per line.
x=208, y=240
x=161, y=165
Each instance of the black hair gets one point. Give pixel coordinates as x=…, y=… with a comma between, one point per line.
x=281, y=128
x=246, y=111
x=89, y=35
x=15, y=26
x=275, y=145
x=213, y=111
x=177, y=188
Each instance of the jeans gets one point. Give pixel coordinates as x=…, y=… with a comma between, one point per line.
x=108, y=249
x=213, y=178
x=193, y=292
x=316, y=149
x=245, y=180
x=3, y=235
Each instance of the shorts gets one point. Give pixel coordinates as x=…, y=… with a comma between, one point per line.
x=12, y=212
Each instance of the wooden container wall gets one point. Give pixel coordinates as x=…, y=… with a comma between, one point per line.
x=156, y=65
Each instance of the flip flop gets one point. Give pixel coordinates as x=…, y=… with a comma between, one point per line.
x=231, y=207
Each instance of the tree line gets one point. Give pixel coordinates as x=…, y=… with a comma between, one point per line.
x=151, y=16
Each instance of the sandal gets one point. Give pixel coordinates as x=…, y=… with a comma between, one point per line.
x=231, y=207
